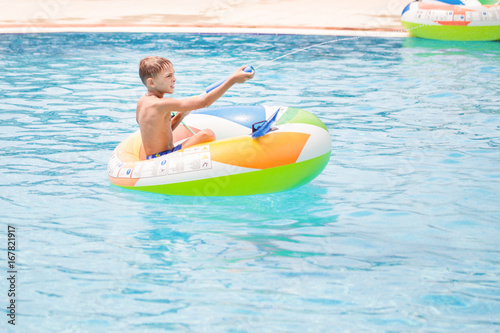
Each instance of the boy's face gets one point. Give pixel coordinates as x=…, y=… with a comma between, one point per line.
x=164, y=81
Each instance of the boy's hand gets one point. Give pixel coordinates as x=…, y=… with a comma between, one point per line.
x=241, y=76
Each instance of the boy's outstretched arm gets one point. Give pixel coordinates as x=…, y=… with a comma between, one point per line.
x=194, y=103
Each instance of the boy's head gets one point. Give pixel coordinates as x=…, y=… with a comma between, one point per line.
x=151, y=66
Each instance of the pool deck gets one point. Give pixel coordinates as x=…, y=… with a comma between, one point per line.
x=325, y=17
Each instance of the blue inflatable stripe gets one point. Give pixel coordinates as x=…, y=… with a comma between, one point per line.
x=452, y=2
x=407, y=8
x=243, y=115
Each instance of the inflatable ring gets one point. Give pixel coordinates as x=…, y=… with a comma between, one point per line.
x=294, y=151
x=457, y=20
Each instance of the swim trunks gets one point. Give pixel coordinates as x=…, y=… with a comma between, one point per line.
x=168, y=151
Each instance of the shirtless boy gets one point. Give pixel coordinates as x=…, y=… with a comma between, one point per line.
x=153, y=112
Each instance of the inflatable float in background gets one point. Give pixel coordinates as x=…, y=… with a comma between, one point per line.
x=456, y=20
x=294, y=151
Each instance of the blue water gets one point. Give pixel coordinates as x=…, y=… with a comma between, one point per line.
x=399, y=233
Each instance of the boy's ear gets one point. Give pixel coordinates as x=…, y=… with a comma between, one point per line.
x=150, y=82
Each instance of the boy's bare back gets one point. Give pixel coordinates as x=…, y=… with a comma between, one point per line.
x=155, y=124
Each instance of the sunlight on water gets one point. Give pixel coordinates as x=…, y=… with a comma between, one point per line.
x=399, y=233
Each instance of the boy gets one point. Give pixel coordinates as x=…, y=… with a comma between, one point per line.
x=153, y=112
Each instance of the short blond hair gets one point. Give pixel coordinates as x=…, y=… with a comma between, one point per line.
x=151, y=66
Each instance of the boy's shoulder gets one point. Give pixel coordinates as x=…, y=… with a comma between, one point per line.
x=155, y=103
x=147, y=101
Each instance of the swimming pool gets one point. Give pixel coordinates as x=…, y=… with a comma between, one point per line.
x=399, y=233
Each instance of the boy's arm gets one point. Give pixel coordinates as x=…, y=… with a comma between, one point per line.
x=194, y=103
x=177, y=119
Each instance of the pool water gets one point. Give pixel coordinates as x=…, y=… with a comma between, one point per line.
x=399, y=233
